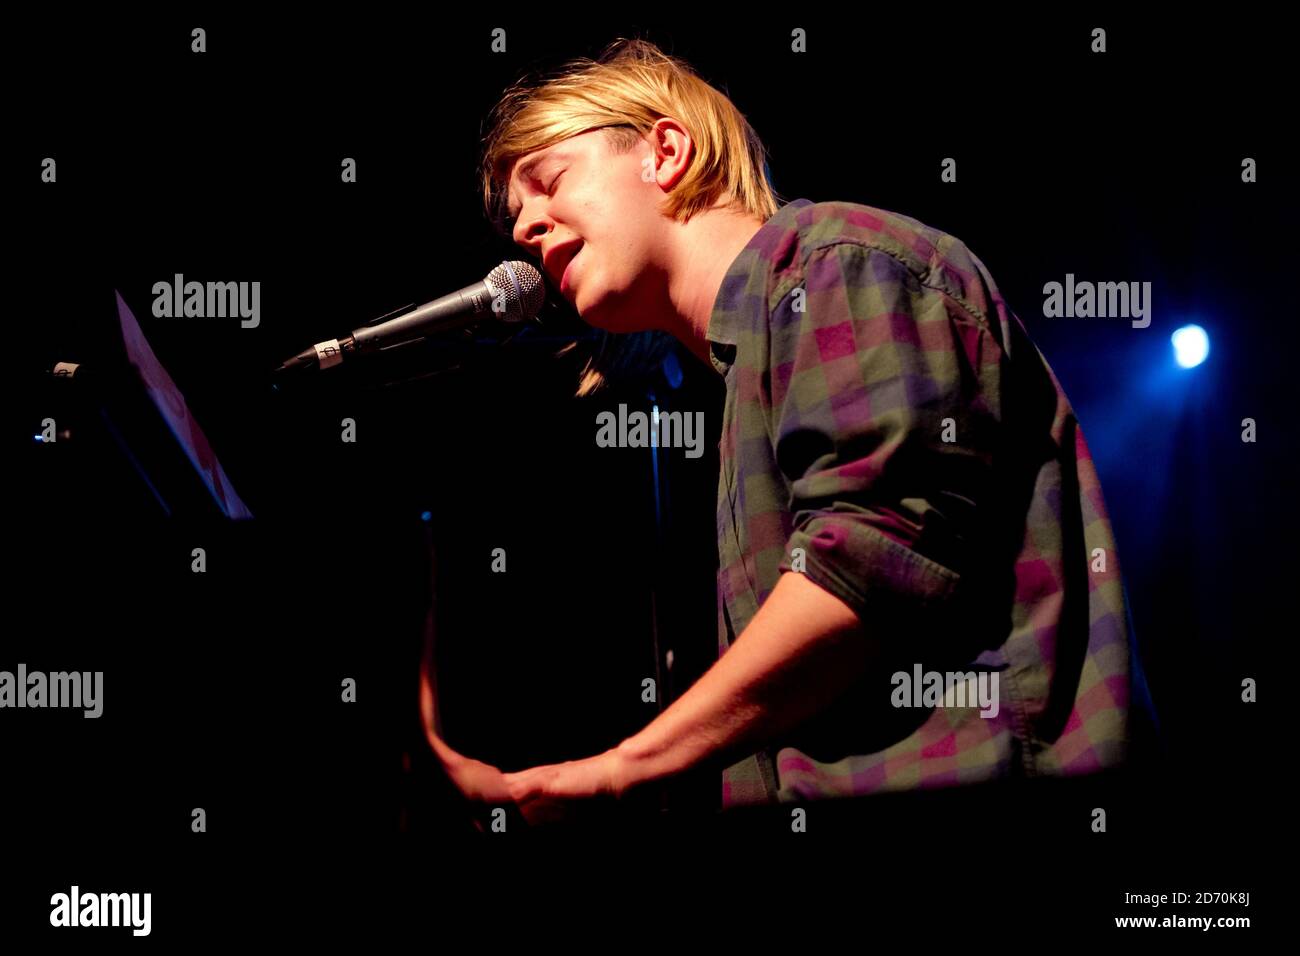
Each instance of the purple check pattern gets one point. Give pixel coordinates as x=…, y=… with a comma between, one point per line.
x=888, y=421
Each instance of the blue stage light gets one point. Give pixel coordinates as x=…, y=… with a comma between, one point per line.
x=1191, y=345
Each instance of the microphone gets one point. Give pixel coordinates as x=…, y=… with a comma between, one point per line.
x=512, y=292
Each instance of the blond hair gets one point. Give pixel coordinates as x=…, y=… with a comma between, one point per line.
x=624, y=91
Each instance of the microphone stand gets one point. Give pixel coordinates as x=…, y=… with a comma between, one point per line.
x=665, y=691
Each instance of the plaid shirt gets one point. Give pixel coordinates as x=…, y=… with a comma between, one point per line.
x=887, y=414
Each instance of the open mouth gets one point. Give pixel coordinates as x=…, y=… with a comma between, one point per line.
x=565, y=283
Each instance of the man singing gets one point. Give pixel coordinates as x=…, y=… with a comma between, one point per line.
x=904, y=487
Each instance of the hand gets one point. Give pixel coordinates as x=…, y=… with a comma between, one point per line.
x=479, y=782
x=556, y=791
x=482, y=785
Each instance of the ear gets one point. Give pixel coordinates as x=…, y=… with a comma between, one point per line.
x=674, y=151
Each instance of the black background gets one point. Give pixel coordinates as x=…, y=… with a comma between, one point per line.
x=222, y=689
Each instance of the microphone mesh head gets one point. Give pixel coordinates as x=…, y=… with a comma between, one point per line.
x=522, y=287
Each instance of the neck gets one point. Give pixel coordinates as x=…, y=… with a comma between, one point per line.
x=705, y=249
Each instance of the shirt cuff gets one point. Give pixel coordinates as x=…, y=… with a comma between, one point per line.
x=881, y=579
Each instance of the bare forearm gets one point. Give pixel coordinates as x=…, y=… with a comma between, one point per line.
x=803, y=647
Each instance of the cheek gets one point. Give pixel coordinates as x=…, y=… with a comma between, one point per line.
x=607, y=267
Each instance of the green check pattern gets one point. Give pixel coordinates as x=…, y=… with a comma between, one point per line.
x=890, y=431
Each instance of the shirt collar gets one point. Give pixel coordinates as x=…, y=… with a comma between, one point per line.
x=727, y=317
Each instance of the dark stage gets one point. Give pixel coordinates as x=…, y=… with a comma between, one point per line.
x=328, y=816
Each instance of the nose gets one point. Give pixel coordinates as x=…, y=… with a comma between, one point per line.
x=530, y=232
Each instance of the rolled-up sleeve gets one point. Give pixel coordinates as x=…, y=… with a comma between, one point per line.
x=884, y=419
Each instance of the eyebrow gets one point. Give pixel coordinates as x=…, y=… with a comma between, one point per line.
x=525, y=169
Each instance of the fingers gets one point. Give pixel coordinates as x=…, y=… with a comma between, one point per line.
x=542, y=811
x=524, y=785
x=529, y=791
